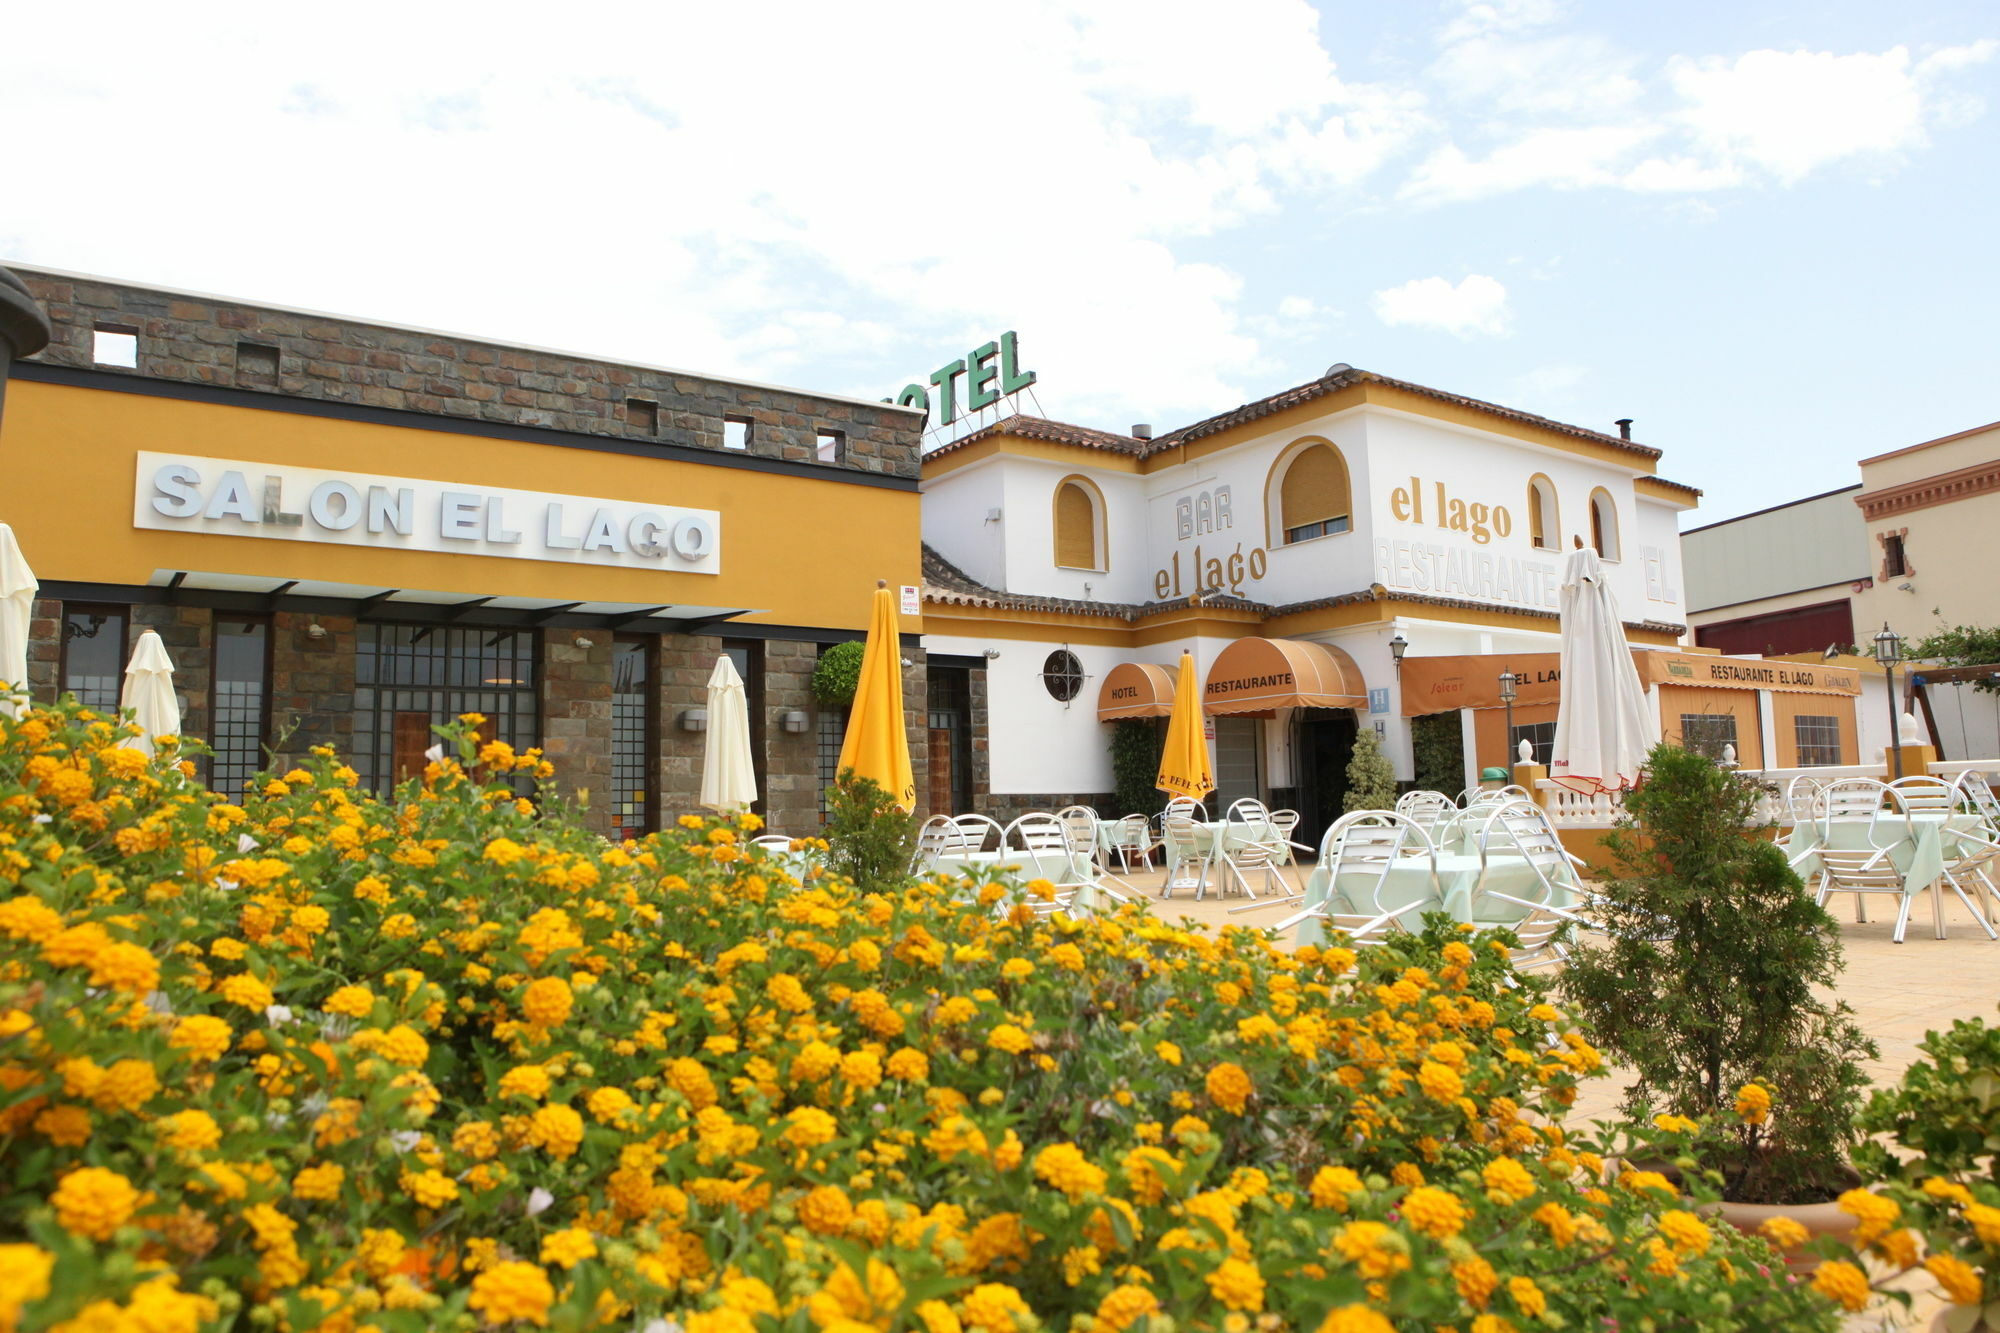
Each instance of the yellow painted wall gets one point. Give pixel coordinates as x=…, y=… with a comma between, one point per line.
x=807, y=552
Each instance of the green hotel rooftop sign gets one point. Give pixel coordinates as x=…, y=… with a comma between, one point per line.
x=991, y=372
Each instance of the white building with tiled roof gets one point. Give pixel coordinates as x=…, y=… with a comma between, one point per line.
x=1336, y=515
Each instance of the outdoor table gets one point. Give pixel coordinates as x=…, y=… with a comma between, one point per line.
x=1015, y=865
x=1410, y=892
x=1918, y=851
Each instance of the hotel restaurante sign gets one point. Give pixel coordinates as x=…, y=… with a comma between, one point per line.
x=230, y=497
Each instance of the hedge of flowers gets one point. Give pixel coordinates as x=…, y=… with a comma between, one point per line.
x=320, y=1061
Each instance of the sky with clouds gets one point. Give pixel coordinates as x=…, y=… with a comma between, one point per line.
x=1763, y=230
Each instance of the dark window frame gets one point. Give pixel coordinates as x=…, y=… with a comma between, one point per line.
x=122, y=612
x=1071, y=676
x=1710, y=745
x=1326, y=527
x=215, y=679
x=1895, y=557
x=752, y=670
x=376, y=698
x=649, y=646
x=1820, y=724
x=1541, y=735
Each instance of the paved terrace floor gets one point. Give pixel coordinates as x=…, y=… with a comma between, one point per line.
x=1898, y=993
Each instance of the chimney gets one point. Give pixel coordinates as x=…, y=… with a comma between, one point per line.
x=1624, y=425
x=1142, y=431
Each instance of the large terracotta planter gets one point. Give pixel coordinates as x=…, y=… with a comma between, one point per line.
x=1819, y=1219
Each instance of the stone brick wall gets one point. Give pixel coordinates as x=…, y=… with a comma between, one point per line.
x=44, y=649
x=576, y=718
x=312, y=684
x=791, y=758
x=685, y=663
x=201, y=340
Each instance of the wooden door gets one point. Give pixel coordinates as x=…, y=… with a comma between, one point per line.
x=410, y=737
x=942, y=786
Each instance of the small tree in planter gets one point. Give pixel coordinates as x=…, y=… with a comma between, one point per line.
x=1371, y=782
x=1705, y=985
x=870, y=838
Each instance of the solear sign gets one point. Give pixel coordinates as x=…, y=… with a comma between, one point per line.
x=991, y=371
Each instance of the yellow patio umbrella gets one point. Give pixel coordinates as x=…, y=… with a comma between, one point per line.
x=1184, y=769
x=877, y=745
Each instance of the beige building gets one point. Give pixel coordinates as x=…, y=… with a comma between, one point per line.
x=1930, y=510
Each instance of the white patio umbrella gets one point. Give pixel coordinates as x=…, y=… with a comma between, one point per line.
x=1603, y=726
x=17, y=607
x=728, y=772
x=149, y=693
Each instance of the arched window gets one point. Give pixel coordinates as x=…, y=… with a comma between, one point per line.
x=1544, y=523
x=1603, y=524
x=1312, y=494
x=1079, y=525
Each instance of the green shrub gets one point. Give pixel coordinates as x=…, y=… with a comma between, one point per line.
x=1706, y=981
x=1135, y=762
x=1439, y=745
x=1371, y=783
x=870, y=838
x=838, y=673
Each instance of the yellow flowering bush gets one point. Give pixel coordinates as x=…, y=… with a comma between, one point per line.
x=320, y=1060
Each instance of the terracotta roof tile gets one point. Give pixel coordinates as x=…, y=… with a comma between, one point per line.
x=1346, y=376
x=1041, y=428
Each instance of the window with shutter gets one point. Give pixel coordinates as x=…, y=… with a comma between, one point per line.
x=1076, y=527
x=1313, y=499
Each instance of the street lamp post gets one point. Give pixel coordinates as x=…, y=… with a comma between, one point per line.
x=1508, y=680
x=1889, y=652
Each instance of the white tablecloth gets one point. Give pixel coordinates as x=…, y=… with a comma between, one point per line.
x=1919, y=845
x=1409, y=891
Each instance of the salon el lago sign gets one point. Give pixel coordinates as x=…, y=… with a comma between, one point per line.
x=1447, y=568
x=222, y=496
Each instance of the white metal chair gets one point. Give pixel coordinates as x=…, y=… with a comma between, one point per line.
x=1924, y=795
x=1364, y=847
x=1804, y=796
x=1868, y=869
x=1131, y=839
x=1284, y=823
x=1242, y=858
x=1044, y=844
x=1428, y=808
x=1977, y=794
x=1520, y=832
x=1850, y=797
x=1186, y=848
x=1248, y=810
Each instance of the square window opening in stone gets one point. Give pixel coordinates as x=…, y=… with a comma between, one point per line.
x=832, y=446
x=642, y=416
x=736, y=433
x=115, y=345
x=256, y=363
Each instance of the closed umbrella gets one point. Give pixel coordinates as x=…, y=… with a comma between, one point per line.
x=728, y=772
x=1184, y=767
x=1603, y=726
x=877, y=745
x=17, y=607
x=149, y=693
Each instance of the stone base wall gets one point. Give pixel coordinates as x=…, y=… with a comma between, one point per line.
x=313, y=685
x=791, y=758
x=576, y=719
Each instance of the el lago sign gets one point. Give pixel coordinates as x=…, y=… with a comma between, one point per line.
x=230, y=497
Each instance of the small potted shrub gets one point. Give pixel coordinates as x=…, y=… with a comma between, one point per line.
x=1704, y=984
x=1931, y=1157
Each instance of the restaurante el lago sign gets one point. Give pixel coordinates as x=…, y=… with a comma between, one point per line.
x=348, y=532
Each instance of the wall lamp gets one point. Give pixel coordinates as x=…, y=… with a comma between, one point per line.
x=794, y=719
x=694, y=719
x=1397, y=647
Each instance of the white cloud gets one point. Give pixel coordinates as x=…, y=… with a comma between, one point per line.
x=1547, y=390
x=1566, y=159
x=1792, y=112
x=1296, y=307
x=1477, y=304
x=779, y=191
